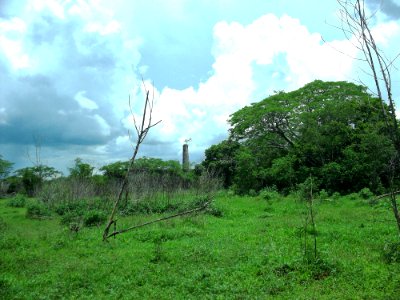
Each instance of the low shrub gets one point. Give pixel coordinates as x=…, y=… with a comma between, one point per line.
x=69, y=218
x=252, y=193
x=323, y=195
x=77, y=207
x=336, y=196
x=37, y=210
x=353, y=196
x=269, y=194
x=320, y=269
x=214, y=211
x=94, y=218
x=366, y=194
x=17, y=201
x=391, y=252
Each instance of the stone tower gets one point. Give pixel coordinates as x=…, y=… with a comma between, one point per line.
x=185, y=157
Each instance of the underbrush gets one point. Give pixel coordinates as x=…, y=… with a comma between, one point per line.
x=244, y=247
x=37, y=210
x=17, y=201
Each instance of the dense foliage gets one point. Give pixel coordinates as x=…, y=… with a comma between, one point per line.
x=334, y=131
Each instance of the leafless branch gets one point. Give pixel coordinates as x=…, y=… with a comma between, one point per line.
x=356, y=22
x=141, y=131
x=191, y=211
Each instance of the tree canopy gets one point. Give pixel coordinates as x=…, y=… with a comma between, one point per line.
x=334, y=131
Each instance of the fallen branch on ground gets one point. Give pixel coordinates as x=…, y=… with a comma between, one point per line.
x=386, y=195
x=191, y=211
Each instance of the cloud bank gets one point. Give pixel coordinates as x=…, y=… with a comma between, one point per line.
x=67, y=70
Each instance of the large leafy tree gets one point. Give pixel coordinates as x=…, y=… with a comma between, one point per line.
x=32, y=178
x=116, y=170
x=81, y=170
x=324, y=129
x=220, y=159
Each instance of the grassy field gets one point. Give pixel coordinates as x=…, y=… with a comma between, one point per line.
x=253, y=251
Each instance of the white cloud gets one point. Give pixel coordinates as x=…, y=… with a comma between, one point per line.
x=11, y=44
x=105, y=129
x=89, y=52
x=383, y=32
x=104, y=29
x=55, y=7
x=85, y=102
x=202, y=113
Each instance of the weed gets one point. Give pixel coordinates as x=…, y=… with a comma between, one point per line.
x=319, y=268
x=158, y=254
x=283, y=270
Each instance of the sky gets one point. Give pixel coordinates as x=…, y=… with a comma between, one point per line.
x=68, y=68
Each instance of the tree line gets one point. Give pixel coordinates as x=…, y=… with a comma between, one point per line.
x=30, y=180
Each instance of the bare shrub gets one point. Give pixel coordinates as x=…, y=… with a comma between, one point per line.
x=3, y=188
x=66, y=190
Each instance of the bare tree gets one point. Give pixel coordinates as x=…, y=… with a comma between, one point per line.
x=356, y=26
x=142, y=129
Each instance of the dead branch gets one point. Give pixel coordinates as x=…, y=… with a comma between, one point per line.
x=188, y=212
x=356, y=23
x=385, y=195
x=142, y=130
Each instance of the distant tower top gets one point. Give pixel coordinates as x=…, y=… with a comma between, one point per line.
x=185, y=156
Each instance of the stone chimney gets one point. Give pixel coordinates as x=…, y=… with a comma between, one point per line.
x=185, y=157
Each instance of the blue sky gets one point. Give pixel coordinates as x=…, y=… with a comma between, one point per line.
x=67, y=68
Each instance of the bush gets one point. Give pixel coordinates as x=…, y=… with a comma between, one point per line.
x=323, y=195
x=37, y=210
x=69, y=218
x=391, y=252
x=269, y=194
x=17, y=201
x=309, y=188
x=252, y=193
x=94, y=218
x=214, y=211
x=76, y=207
x=365, y=194
x=353, y=196
x=336, y=196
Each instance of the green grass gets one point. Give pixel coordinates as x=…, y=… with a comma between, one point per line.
x=254, y=251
